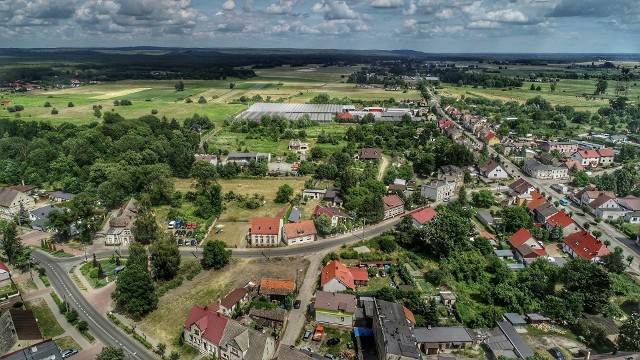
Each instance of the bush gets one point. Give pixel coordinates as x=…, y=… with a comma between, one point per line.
x=54, y=111
x=154, y=111
x=17, y=305
x=47, y=104
x=70, y=104
x=94, y=273
x=188, y=101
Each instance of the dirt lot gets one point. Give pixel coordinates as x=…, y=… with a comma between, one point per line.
x=542, y=344
x=165, y=323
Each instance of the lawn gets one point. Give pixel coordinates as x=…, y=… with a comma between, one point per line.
x=67, y=342
x=7, y=289
x=107, y=268
x=49, y=326
x=165, y=323
x=330, y=333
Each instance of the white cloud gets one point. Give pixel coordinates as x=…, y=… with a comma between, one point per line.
x=282, y=7
x=335, y=10
x=445, y=14
x=387, y=4
x=483, y=24
x=507, y=16
x=411, y=9
x=229, y=5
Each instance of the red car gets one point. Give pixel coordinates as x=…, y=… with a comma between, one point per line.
x=317, y=335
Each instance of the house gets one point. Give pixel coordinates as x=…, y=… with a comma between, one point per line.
x=393, y=206
x=559, y=146
x=606, y=207
x=520, y=188
x=448, y=298
x=271, y=318
x=573, y=165
x=313, y=194
x=276, y=289
x=12, y=201
x=21, y=325
x=590, y=193
x=334, y=213
x=5, y=274
x=119, y=232
x=392, y=332
x=345, y=117
x=397, y=160
x=485, y=218
x=299, y=233
x=60, y=196
x=492, y=170
x=213, y=334
x=537, y=318
x=434, y=340
x=422, y=216
x=27, y=189
x=504, y=254
x=587, y=158
x=544, y=211
x=243, y=159
x=334, y=308
x=490, y=138
x=606, y=156
x=438, y=190
x=538, y=170
x=236, y=297
x=369, y=154
x=632, y=217
x=360, y=275
x=562, y=220
x=526, y=248
x=583, y=244
x=297, y=145
x=629, y=203
x=451, y=173
x=208, y=158
x=265, y=231
x=536, y=200
x=40, y=215
x=41, y=350
x=335, y=277
x=333, y=196
x=505, y=341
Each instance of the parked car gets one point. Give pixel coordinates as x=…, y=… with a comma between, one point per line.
x=307, y=335
x=189, y=233
x=172, y=224
x=179, y=242
x=331, y=356
x=557, y=354
x=67, y=353
x=194, y=242
x=333, y=341
x=383, y=273
x=317, y=335
x=296, y=305
x=218, y=231
x=308, y=350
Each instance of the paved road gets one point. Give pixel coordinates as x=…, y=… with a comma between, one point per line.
x=99, y=325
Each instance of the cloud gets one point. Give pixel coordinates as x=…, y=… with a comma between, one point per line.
x=594, y=8
x=22, y=13
x=411, y=9
x=228, y=5
x=506, y=16
x=282, y=7
x=483, y=24
x=445, y=14
x=334, y=10
x=387, y=4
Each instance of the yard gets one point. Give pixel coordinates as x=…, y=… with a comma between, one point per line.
x=91, y=275
x=67, y=342
x=165, y=323
x=49, y=326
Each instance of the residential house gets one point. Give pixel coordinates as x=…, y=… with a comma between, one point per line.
x=271, y=318
x=423, y=216
x=333, y=196
x=295, y=215
x=544, y=211
x=632, y=217
x=243, y=159
x=288, y=352
x=27, y=189
x=60, y=196
x=393, y=206
x=538, y=170
x=12, y=201
x=492, y=170
x=5, y=274
x=313, y=194
x=40, y=215
x=448, y=298
x=504, y=254
x=563, y=147
x=536, y=199
x=562, y=220
x=515, y=319
x=573, y=165
x=397, y=160
x=119, y=232
x=606, y=156
x=369, y=154
x=583, y=244
x=334, y=213
x=485, y=218
x=617, y=138
x=265, y=231
x=587, y=158
x=490, y=138
x=299, y=233
x=36, y=350
x=208, y=158
x=334, y=308
x=360, y=275
x=629, y=203
x=232, y=300
x=520, y=188
x=335, y=277
x=297, y=145
x=505, y=341
x=438, y=190
x=606, y=207
x=393, y=333
x=526, y=248
x=276, y=289
x=434, y=340
x=213, y=334
x=451, y=173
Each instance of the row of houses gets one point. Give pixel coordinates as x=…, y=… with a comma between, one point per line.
x=606, y=205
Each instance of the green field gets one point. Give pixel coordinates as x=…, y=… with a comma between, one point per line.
x=107, y=268
x=49, y=326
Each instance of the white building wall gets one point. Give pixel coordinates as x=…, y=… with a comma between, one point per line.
x=345, y=320
x=334, y=286
x=300, y=240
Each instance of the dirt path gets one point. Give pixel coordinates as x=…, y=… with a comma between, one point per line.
x=383, y=166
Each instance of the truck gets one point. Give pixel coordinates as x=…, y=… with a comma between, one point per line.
x=317, y=335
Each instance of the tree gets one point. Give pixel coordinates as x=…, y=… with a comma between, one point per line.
x=323, y=224
x=556, y=233
x=588, y=281
x=60, y=222
x=174, y=356
x=592, y=331
x=209, y=203
x=111, y=353
x=597, y=233
x=54, y=111
x=215, y=255
x=533, y=87
x=614, y=262
x=82, y=326
x=629, y=339
x=202, y=100
x=204, y=173
x=483, y=199
x=145, y=229
x=137, y=255
x=135, y=291
x=581, y=179
x=552, y=86
x=11, y=244
x=161, y=348
x=232, y=85
x=179, y=86
x=387, y=244
x=447, y=232
x=70, y=104
x=601, y=87
x=462, y=196
x=515, y=218
x=165, y=258
x=284, y=194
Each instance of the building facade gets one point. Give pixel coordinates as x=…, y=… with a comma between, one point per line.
x=438, y=190
x=265, y=232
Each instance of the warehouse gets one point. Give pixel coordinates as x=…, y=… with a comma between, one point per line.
x=317, y=112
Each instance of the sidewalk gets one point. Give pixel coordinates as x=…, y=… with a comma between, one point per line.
x=69, y=330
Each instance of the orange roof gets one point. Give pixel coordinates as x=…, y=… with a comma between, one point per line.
x=489, y=135
x=561, y=219
x=586, y=245
x=487, y=235
x=606, y=152
x=336, y=270
x=302, y=228
x=588, y=153
x=520, y=237
x=424, y=215
x=359, y=273
x=392, y=201
x=409, y=315
x=265, y=226
x=537, y=199
x=280, y=284
x=345, y=115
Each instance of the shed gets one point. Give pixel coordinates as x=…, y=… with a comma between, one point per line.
x=504, y=254
x=515, y=319
x=537, y=318
x=485, y=218
x=448, y=298
x=295, y=215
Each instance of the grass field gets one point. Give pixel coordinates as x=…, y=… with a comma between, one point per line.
x=49, y=326
x=67, y=342
x=107, y=268
x=165, y=323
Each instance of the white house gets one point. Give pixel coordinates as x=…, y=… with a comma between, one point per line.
x=265, y=231
x=313, y=194
x=538, y=170
x=119, y=232
x=11, y=201
x=393, y=206
x=590, y=158
x=334, y=308
x=236, y=297
x=606, y=156
x=438, y=190
x=606, y=207
x=632, y=217
x=300, y=233
x=583, y=244
x=334, y=213
x=492, y=170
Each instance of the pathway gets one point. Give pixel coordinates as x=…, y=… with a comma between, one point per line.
x=383, y=166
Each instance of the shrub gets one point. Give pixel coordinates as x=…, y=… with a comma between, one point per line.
x=54, y=111
x=154, y=111
x=94, y=273
x=70, y=104
x=47, y=104
x=188, y=101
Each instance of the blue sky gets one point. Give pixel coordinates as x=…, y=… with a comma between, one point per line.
x=426, y=25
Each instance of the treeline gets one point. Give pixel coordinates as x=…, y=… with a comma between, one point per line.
x=455, y=76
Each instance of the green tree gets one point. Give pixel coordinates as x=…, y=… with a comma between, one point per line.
x=387, y=244
x=111, y=353
x=209, y=203
x=138, y=255
x=515, y=218
x=204, y=173
x=597, y=233
x=581, y=179
x=135, y=292
x=11, y=243
x=447, y=232
x=82, y=326
x=629, y=339
x=145, y=229
x=174, y=356
x=556, y=233
x=60, y=222
x=462, y=196
x=589, y=281
x=601, y=87
x=165, y=258
x=284, y=193
x=202, y=100
x=483, y=199
x=614, y=262
x=592, y=331
x=323, y=224
x=161, y=348
x=215, y=255
x=70, y=104
x=179, y=86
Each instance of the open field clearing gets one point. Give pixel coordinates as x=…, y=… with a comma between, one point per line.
x=165, y=323
x=120, y=93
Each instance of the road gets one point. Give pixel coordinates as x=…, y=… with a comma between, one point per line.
x=628, y=246
x=99, y=325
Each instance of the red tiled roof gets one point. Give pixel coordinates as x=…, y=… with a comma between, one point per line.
x=345, y=115
x=265, y=226
x=537, y=199
x=520, y=237
x=424, y=215
x=586, y=245
x=487, y=235
x=211, y=324
x=570, y=164
x=588, y=153
x=359, y=273
x=329, y=211
x=489, y=135
x=3, y=267
x=233, y=297
x=561, y=219
x=409, y=315
x=606, y=152
x=392, y=201
x=397, y=187
x=277, y=284
x=336, y=270
x=302, y=228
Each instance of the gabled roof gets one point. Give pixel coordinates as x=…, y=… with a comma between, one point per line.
x=526, y=250
x=605, y=152
x=336, y=270
x=520, y=237
x=359, y=273
x=570, y=164
x=488, y=166
x=489, y=135
x=424, y=215
x=588, y=153
x=392, y=201
x=265, y=226
x=370, y=153
x=546, y=210
x=630, y=203
x=537, y=199
x=211, y=324
x=520, y=186
x=335, y=301
x=329, y=211
x=601, y=200
x=7, y=195
x=276, y=286
x=233, y=297
x=586, y=245
x=560, y=219
x=3, y=267
x=302, y=228
x=345, y=115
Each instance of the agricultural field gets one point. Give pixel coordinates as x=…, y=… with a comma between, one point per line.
x=165, y=323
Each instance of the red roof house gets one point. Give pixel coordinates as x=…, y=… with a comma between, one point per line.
x=229, y=302
x=345, y=116
x=336, y=277
x=563, y=220
x=584, y=245
x=265, y=226
x=423, y=216
x=360, y=275
x=525, y=246
x=4, y=272
x=210, y=324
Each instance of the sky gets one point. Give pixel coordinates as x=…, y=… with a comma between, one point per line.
x=434, y=26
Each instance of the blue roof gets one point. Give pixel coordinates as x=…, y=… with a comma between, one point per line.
x=362, y=332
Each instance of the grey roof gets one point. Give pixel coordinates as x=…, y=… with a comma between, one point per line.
x=450, y=169
x=270, y=314
x=442, y=335
x=287, y=352
x=515, y=319
x=335, y=302
x=485, y=216
x=61, y=195
x=7, y=196
x=295, y=215
x=331, y=194
x=534, y=164
x=546, y=210
x=41, y=215
x=537, y=317
x=503, y=253
x=396, y=333
x=520, y=347
x=46, y=350
x=317, y=112
x=245, y=339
